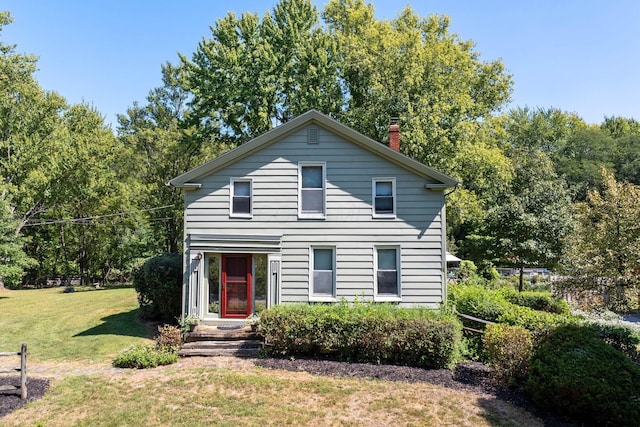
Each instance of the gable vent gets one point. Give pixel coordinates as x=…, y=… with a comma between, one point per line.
x=312, y=135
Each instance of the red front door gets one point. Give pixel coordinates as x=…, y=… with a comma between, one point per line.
x=236, y=286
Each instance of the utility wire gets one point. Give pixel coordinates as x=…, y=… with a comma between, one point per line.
x=88, y=219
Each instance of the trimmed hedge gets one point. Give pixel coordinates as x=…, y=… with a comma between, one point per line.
x=363, y=332
x=574, y=372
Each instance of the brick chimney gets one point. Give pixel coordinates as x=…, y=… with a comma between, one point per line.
x=394, y=134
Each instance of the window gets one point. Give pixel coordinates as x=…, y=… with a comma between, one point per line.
x=240, y=197
x=384, y=201
x=311, y=190
x=323, y=278
x=387, y=274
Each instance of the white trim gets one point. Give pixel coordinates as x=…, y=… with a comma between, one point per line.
x=374, y=181
x=232, y=182
x=322, y=297
x=310, y=215
x=386, y=297
x=274, y=279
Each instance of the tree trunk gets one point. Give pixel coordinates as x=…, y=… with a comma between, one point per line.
x=521, y=282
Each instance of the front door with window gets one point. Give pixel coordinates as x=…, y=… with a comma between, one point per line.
x=236, y=301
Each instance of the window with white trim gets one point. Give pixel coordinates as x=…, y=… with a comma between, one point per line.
x=241, y=197
x=387, y=261
x=311, y=186
x=384, y=197
x=322, y=280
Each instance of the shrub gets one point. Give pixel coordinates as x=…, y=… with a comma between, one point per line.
x=540, y=323
x=169, y=338
x=158, y=282
x=575, y=373
x=477, y=301
x=543, y=301
x=508, y=349
x=622, y=338
x=142, y=356
x=364, y=332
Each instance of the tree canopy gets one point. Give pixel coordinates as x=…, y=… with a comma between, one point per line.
x=75, y=199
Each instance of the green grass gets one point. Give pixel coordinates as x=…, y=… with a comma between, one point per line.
x=70, y=332
x=92, y=325
x=197, y=396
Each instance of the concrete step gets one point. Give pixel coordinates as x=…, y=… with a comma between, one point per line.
x=212, y=352
x=223, y=344
x=213, y=333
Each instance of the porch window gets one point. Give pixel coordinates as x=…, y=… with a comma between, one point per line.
x=260, y=283
x=213, y=276
x=384, y=197
x=311, y=195
x=241, y=197
x=323, y=277
x=387, y=260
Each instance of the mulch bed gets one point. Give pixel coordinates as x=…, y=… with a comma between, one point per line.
x=10, y=401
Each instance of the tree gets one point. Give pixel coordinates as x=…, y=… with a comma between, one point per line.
x=256, y=73
x=13, y=260
x=605, y=245
x=529, y=224
x=540, y=128
x=162, y=147
x=29, y=151
x=414, y=68
x=581, y=156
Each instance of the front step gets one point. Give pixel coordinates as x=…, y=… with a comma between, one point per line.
x=213, y=341
x=240, y=348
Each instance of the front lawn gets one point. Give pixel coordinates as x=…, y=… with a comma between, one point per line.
x=92, y=325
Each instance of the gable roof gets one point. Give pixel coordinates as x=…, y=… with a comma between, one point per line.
x=186, y=180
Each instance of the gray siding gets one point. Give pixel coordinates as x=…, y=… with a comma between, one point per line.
x=348, y=225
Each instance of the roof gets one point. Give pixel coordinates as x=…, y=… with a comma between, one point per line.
x=188, y=180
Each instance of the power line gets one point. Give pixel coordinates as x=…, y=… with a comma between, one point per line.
x=88, y=219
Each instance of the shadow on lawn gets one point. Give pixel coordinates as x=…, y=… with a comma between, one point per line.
x=126, y=324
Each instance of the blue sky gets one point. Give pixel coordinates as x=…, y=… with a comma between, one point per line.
x=579, y=56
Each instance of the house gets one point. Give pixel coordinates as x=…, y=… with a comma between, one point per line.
x=312, y=211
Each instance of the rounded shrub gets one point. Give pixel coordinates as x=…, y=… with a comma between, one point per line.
x=573, y=372
x=158, y=282
x=508, y=349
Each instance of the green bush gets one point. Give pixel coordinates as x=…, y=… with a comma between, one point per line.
x=508, y=349
x=364, y=332
x=622, y=338
x=540, y=323
x=573, y=372
x=158, y=282
x=478, y=301
x=542, y=301
x=142, y=356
